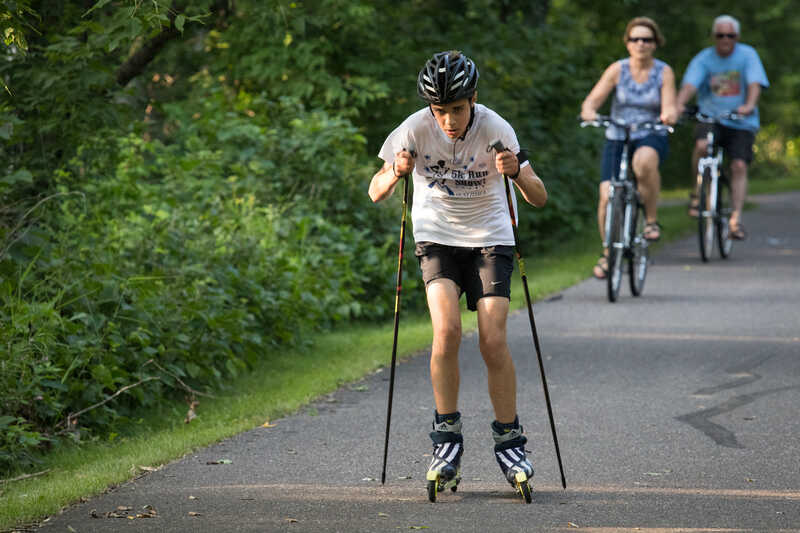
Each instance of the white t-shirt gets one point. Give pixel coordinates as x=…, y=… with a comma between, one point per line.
x=459, y=196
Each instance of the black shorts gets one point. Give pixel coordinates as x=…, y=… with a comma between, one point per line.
x=477, y=271
x=738, y=144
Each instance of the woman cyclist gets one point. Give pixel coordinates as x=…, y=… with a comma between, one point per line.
x=644, y=91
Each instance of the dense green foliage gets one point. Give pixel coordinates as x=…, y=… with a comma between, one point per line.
x=183, y=185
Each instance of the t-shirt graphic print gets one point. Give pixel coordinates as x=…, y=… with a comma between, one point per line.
x=459, y=196
x=465, y=181
x=726, y=83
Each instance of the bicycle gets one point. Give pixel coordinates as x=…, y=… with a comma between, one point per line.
x=713, y=191
x=625, y=216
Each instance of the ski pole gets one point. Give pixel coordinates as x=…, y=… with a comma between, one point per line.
x=396, y=324
x=498, y=146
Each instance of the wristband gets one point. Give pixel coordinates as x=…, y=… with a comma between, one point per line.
x=394, y=172
x=515, y=176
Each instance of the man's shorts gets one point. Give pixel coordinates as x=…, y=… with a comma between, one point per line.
x=612, y=152
x=478, y=272
x=738, y=144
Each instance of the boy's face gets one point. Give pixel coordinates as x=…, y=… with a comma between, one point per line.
x=453, y=118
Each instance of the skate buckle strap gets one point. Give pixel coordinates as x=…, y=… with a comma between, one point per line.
x=500, y=438
x=444, y=426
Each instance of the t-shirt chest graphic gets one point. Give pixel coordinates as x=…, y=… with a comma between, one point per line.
x=462, y=177
x=726, y=83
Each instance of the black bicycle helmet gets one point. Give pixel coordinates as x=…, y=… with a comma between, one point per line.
x=447, y=77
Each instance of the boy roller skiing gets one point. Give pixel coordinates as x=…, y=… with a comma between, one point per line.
x=464, y=244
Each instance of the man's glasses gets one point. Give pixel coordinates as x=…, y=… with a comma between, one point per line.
x=725, y=35
x=646, y=40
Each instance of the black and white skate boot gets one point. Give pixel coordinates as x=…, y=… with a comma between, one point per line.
x=448, y=445
x=509, y=450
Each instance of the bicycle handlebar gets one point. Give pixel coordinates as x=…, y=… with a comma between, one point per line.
x=604, y=121
x=695, y=114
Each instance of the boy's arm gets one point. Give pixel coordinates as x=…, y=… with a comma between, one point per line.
x=526, y=180
x=384, y=181
x=531, y=187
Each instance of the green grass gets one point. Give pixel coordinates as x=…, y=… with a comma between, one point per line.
x=286, y=382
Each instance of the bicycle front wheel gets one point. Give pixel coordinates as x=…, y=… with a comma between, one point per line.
x=705, y=219
x=616, y=219
x=724, y=239
x=639, y=256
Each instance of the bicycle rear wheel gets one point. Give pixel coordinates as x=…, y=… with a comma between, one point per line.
x=705, y=219
x=724, y=239
x=639, y=256
x=616, y=216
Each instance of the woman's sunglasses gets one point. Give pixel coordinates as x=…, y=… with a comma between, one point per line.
x=646, y=40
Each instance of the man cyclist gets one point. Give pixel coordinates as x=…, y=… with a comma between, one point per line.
x=464, y=243
x=727, y=77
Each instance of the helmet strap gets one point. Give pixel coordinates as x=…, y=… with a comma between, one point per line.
x=471, y=120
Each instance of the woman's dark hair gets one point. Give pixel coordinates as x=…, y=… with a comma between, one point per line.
x=647, y=22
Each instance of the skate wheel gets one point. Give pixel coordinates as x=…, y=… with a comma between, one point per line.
x=433, y=485
x=432, y=490
x=523, y=486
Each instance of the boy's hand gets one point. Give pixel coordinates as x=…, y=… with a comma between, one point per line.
x=506, y=163
x=403, y=163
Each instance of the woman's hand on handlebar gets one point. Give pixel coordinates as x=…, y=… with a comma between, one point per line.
x=588, y=115
x=669, y=116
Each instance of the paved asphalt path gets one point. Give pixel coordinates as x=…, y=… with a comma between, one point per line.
x=675, y=411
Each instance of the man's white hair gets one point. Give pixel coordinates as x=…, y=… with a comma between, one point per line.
x=725, y=19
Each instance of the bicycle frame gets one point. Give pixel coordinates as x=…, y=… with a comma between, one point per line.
x=713, y=162
x=627, y=187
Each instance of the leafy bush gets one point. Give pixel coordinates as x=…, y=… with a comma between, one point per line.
x=187, y=259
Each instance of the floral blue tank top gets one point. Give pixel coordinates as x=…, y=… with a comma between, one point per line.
x=636, y=102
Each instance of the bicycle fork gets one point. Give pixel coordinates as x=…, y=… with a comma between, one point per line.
x=623, y=187
x=713, y=164
x=625, y=240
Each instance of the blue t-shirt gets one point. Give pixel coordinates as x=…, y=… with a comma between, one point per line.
x=722, y=82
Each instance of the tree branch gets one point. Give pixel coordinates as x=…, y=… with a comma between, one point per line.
x=185, y=386
x=74, y=416
x=143, y=56
x=13, y=236
x=136, y=64
x=24, y=476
